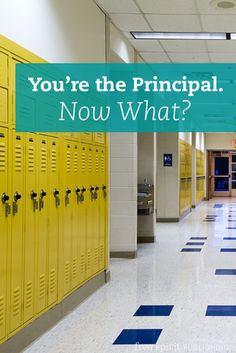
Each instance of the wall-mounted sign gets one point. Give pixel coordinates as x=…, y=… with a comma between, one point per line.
x=167, y=159
x=234, y=143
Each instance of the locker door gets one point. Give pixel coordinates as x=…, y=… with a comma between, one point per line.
x=3, y=70
x=67, y=215
x=12, y=88
x=75, y=216
x=96, y=211
x=42, y=235
x=4, y=220
x=30, y=201
x=17, y=238
x=82, y=207
x=53, y=224
x=99, y=137
x=102, y=207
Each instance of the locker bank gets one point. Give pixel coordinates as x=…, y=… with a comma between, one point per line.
x=115, y=242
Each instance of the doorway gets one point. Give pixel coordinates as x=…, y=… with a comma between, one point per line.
x=222, y=173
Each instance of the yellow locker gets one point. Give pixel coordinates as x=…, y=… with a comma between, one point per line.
x=82, y=211
x=3, y=106
x=12, y=88
x=42, y=223
x=31, y=208
x=75, y=220
x=53, y=223
x=102, y=206
x=86, y=137
x=95, y=207
x=16, y=253
x=67, y=169
x=99, y=137
x=4, y=221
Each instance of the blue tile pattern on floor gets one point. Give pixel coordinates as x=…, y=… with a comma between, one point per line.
x=218, y=205
x=228, y=250
x=154, y=310
x=225, y=272
x=221, y=310
x=195, y=243
x=138, y=336
x=198, y=238
x=228, y=238
x=230, y=227
x=191, y=250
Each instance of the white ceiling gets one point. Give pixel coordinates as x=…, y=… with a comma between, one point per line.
x=174, y=15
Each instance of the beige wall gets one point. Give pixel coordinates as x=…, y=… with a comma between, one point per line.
x=57, y=30
x=220, y=141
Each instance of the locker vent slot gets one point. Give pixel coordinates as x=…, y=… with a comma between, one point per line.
x=101, y=255
x=83, y=162
x=90, y=164
x=18, y=138
x=74, y=268
x=52, y=280
x=30, y=159
x=82, y=264
x=68, y=161
x=67, y=272
x=95, y=257
x=41, y=286
x=54, y=161
x=2, y=310
x=16, y=302
x=76, y=162
x=43, y=160
x=18, y=158
x=102, y=163
x=29, y=294
x=89, y=256
x=97, y=164
x=2, y=157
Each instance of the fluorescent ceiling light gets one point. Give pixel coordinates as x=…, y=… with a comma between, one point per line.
x=233, y=36
x=181, y=35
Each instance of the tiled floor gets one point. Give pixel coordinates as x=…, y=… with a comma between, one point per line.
x=200, y=286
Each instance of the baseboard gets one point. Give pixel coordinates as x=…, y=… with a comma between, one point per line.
x=148, y=239
x=167, y=220
x=33, y=331
x=123, y=255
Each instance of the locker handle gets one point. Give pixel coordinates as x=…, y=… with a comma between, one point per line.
x=83, y=189
x=33, y=194
x=43, y=193
x=55, y=192
x=68, y=191
x=5, y=197
x=91, y=188
x=104, y=187
x=77, y=190
x=17, y=196
x=2, y=134
x=97, y=188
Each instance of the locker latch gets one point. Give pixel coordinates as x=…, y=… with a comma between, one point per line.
x=56, y=195
x=80, y=194
x=41, y=199
x=67, y=200
x=95, y=194
x=104, y=189
x=33, y=196
x=5, y=199
x=15, y=203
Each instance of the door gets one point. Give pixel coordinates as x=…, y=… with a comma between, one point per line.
x=221, y=175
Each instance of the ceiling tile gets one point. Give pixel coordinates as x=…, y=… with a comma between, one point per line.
x=223, y=57
x=127, y=22
x=146, y=45
x=167, y=6
x=222, y=46
x=128, y=35
x=174, y=23
x=219, y=23
x=206, y=8
x=189, y=57
x=186, y=46
x=121, y=6
x=155, y=57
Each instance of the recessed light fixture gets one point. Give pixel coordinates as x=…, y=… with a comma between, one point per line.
x=223, y=4
x=184, y=35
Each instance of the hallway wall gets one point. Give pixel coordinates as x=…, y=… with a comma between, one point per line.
x=220, y=141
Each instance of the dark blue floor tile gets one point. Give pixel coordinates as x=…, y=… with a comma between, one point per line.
x=228, y=250
x=225, y=272
x=230, y=227
x=228, y=238
x=191, y=250
x=138, y=336
x=218, y=205
x=198, y=238
x=209, y=220
x=154, y=310
x=195, y=243
x=221, y=310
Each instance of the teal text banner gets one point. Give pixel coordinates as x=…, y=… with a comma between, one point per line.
x=126, y=97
